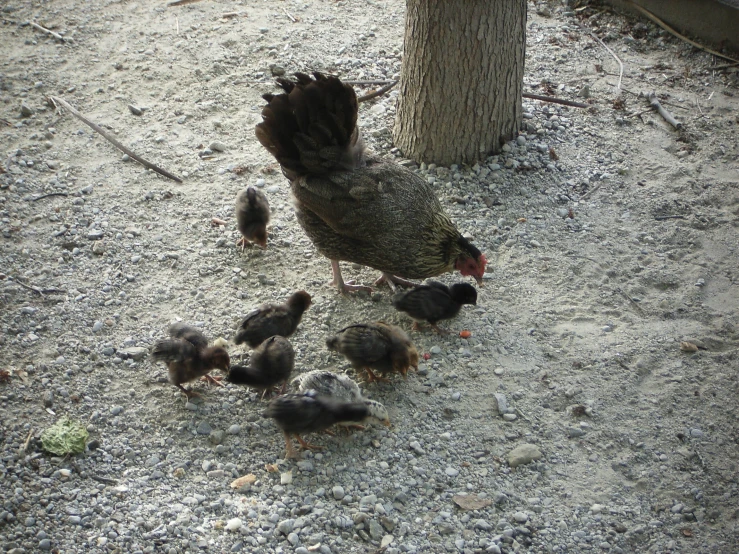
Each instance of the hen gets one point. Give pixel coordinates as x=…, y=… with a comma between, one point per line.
x=273, y=319
x=308, y=412
x=354, y=206
x=435, y=301
x=188, y=356
x=376, y=346
x=339, y=387
x=271, y=364
x=252, y=216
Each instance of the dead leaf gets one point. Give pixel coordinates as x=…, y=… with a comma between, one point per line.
x=471, y=501
x=688, y=532
x=245, y=480
x=521, y=220
x=271, y=468
x=686, y=346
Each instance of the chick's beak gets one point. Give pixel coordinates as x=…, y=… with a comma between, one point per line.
x=479, y=281
x=386, y=423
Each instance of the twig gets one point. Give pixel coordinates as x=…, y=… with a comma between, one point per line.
x=636, y=306
x=37, y=289
x=290, y=17
x=723, y=66
x=662, y=111
x=105, y=480
x=229, y=15
x=48, y=195
x=182, y=2
x=620, y=64
x=366, y=83
x=666, y=27
x=24, y=448
x=554, y=100
x=592, y=191
x=663, y=217
x=57, y=36
x=56, y=100
x=641, y=94
x=378, y=92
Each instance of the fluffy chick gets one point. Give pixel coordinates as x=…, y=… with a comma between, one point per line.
x=272, y=319
x=308, y=412
x=188, y=356
x=252, y=216
x=271, y=364
x=435, y=301
x=376, y=346
x=339, y=387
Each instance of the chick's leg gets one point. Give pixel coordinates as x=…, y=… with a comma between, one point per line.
x=307, y=445
x=392, y=281
x=212, y=380
x=339, y=281
x=189, y=393
x=289, y=449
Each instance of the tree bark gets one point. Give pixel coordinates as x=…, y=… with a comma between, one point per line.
x=461, y=79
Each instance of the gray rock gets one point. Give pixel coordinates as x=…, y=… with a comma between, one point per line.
x=134, y=352
x=286, y=526
x=523, y=454
x=134, y=110
x=44, y=544
x=26, y=110
x=235, y=429
x=338, y=492
x=48, y=398
x=204, y=428
x=95, y=234
x=375, y=530
x=500, y=403
x=216, y=437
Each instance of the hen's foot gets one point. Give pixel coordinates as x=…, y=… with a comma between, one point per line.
x=392, y=281
x=307, y=445
x=339, y=283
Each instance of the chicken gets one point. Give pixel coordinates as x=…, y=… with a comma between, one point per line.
x=273, y=319
x=435, y=301
x=271, y=364
x=354, y=206
x=376, y=346
x=308, y=412
x=252, y=216
x=339, y=387
x=188, y=356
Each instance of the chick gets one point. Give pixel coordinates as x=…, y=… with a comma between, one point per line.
x=188, y=356
x=376, y=346
x=252, y=216
x=273, y=319
x=271, y=364
x=308, y=412
x=435, y=301
x=339, y=387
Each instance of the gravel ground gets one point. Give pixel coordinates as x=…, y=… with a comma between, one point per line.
x=570, y=420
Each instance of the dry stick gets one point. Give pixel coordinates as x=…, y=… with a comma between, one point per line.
x=673, y=32
x=95, y=127
x=663, y=112
x=37, y=289
x=24, y=448
x=554, y=100
x=290, y=17
x=663, y=217
x=723, y=66
x=366, y=83
x=47, y=31
x=591, y=191
x=182, y=2
x=620, y=64
x=636, y=306
x=48, y=195
x=377, y=93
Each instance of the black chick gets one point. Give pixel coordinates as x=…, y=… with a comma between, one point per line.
x=271, y=364
x=376, y=346
x=252, y=216
x=308, y=412
x=435, y=301
x=188, y=356
x=273, y=319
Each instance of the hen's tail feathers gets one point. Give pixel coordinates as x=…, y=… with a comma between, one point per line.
x=311, y=128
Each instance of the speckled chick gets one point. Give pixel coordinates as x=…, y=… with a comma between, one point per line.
x=188, y=356
x=273, y=319
x=376, y=347
x=272, y=362
x=252, y=217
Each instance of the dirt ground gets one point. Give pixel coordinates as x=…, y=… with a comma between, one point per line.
x=612, y=239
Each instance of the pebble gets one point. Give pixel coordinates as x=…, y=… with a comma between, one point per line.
x=48, y=398
x=234, y=524
x=44, y=544
x=97, y=326
x=234, y=429
x=286, y=478
x=134, y=110
x=204, y=428
x=451, y=472
x=523, y=454
x=217, y=146
x=520, y=517
x=305, y=465
x=500, y=403
x=416, y=447
x=338, y=492
x=375, y=530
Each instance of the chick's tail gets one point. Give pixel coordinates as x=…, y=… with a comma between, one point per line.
x=311, y=128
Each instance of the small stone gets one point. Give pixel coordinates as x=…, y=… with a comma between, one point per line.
x=235, y=429
x=451, y=472
x=696, y=433
x=286, y=478
x=305, y=465
x=26, y=110
x=133, y=352
x=510, y=417
x=48, y=398
x=387, y=540
x=97, y=326
x=338, y=492
x=234, y=524
x=95, y=234
x=416, y=447
x=134, y=110
x=375, y=530
x=597, y=508
x=574, y=432
x=44, y=544
x=116, y=410
x=500, y=403
x=523, y=454
x=520, y=517
x=204, y=428
x=216, y=437
x=584, y=92
x=217, y=146
x=286, y=526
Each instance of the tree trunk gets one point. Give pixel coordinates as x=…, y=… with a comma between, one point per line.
x=461, y=79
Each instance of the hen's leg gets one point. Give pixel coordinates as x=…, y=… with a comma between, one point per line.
x=212, y=380
x=339, y=282
x=392, y=281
